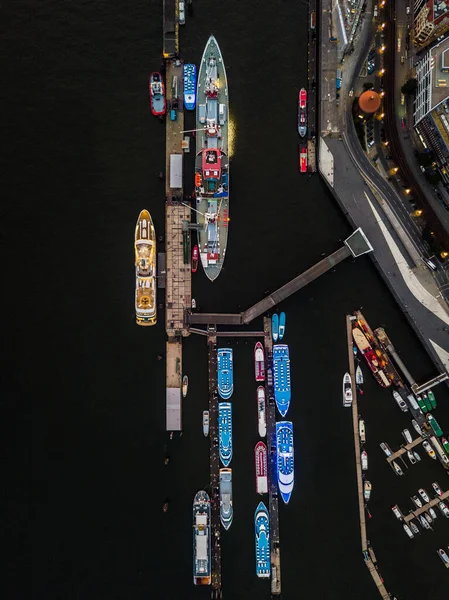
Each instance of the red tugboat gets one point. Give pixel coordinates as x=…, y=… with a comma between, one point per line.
x=195, y=254
x=260, y=458
x=303, y=159
x=259, y=362
x=157, y=94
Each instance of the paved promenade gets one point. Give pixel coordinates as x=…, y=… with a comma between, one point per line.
x=362, y=195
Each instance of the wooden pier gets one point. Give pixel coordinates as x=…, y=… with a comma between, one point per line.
x=403, y=449
x=275, y=550
x=418, y=511
x=214, y=465
x=371, y=565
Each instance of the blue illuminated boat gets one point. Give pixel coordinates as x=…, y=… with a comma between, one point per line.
x=225, y=432
x=275, y=327
x=225, y=373
x=281, y=325
x=189, y=86
x=281, y=371
x=285, y=459
x=262, y=534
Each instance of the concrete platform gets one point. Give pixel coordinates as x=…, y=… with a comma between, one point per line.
x=173, y=405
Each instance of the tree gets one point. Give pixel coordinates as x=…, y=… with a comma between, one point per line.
x=409, y=87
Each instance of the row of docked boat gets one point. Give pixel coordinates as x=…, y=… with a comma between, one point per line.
x=302, y=129
x=156, y=88
x=225, y=384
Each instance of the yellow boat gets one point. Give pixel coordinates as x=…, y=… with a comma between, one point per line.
x=145, y=260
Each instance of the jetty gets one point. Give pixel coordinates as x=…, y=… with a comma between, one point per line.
x=312, y=53
x=367, y=552
x=418, y=511
x=273, y=508
x=355, y=245
x=214, y=465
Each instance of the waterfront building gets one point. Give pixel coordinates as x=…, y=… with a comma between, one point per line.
x=431, y=20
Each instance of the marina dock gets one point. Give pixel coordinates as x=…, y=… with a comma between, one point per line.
x=371, y=565
x=177, y=276
x=275, y=550
x=312, y=51
x=214, y=465
x=418, y=511
x=403, y=449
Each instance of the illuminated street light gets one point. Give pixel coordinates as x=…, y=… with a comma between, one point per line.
x=444, y=254
x=382, y=49
x=417, y=213
x=382, y=71
x=407, y=190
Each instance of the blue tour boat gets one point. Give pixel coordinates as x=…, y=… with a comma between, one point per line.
x=189, y=86
x=225, y=432
x=225, y=373
x=285, y=459
x=281, y=325
x=262, y=534
x=275, y=327
x=281, y=371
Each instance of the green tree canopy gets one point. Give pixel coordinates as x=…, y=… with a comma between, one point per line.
x=409, y=87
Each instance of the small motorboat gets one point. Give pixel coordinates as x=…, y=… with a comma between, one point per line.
x=424, y=495
x=431, y=397
x=386, y=448
x=397, y=513
x=428, y=518
x=414, y=527
x=437, y=488
x=275, y=327
x=367, y=490
x=157, y=94
x=428, y=448
x=354, y=349
x=364, y=457
x=281, y=325
x=432, y=513
x=408, y=531
x=444, y=557
x=424, y=522
x=416, y=455
x=362, y=431
x=416, y=501
x=206, y=422
x=416, y=427
x=193, y=303
x=347, y=390
x=397, y=468
x=195, y=255
x=407, y=436
x=411, y=457
x=185, y=386
x=358, y=375
x=165, y=507
x=259, y=362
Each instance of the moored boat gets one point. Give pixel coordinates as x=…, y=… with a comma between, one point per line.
x=358, y=375
x=386, y=448
x=364, y=459
x=431, y=397
x=408, y=531
x=347, y=390
x=195, y=255
x=397, y=468
x=206, y=422
x=157, y=94
x=145, y=263
x=185, y=386
x=362, y=431
x=282, y=319
x=424, y=495
x=411, y=457
x=445, y=444
x=261, y=466
x=303, y=159
x=189, y=86
x=370, y=356
x=367, y=490
x=201, y=539
x=428, y=448
x=212, y=160
x=434, y=424
x=302, y=112
x=422, y=404
x=425, y=397
x=226, y=507
x=275, y=327
x=259, y=362
x=442, y=554
x=281, y=372
x=407, y=436
x=225, y=373
x=262, y=537
x=285, y=459
x=261, y=411
x=225, y=432
x=416, y=427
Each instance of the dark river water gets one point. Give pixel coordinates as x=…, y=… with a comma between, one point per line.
x=83, y=392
